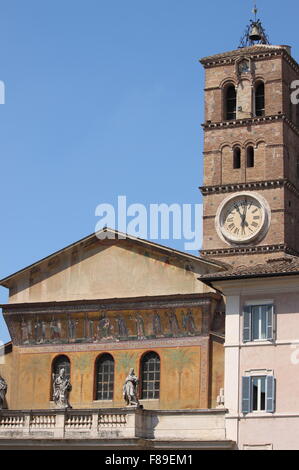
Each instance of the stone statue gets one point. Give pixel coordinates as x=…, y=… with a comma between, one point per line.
x=61, y=390
x=3, y=390
x=130, y=389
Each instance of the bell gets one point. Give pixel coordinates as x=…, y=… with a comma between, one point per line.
x=255, y=33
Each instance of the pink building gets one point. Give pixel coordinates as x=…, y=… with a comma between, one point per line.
x=262, y=354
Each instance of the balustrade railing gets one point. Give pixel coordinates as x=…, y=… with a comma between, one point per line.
x=121, y=423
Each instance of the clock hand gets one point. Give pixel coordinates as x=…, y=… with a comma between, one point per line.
x=238, y=209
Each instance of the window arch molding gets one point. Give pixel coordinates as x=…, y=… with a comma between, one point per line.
x=104, y=377
x=61, y=361
x=150, y=376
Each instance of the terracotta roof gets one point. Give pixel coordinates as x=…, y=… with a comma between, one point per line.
x=287, y=265
x=253, y=50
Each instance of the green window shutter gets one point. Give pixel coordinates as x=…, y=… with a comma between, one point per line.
x=247, y=324
x=270, y=394
x=246, y=395
x=270, y=322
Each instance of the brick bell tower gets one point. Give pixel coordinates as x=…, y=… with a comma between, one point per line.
x=251, y=152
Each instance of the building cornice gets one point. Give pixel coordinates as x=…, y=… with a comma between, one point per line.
x=256, y=53
x=249, y=186
x=249, y=250
x=111, y=304
x=253, y=121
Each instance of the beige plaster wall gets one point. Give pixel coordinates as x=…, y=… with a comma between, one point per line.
x=114, y=271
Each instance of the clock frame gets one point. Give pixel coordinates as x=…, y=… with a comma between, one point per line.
x=243, y=218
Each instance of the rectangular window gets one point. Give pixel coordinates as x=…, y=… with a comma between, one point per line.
x=258, y=323
x=258, y=394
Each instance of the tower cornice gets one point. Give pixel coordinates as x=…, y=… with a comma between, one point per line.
x=257, y=52
x=254, y=121
x=249, y=186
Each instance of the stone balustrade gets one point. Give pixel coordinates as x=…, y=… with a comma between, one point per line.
x=114, y=424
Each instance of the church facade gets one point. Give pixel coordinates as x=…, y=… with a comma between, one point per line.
x=97, y=310
x=210, y=340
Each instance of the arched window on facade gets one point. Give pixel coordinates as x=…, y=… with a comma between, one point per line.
x=150, y=376
x=230, y=103
x=60, y=362
x=104, y=377
x=250, y=157
x=237, y=158
x=260, y=99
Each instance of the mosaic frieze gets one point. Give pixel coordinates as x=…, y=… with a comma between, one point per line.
x=106, y=326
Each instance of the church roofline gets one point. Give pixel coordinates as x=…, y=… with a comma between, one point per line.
x=117, y=236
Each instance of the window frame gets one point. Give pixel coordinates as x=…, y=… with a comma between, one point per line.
x=146, y=392
x=256, y=97
x=97, y=390
x=250, y=157
x=225, y=103
x=247, y=397
x=248, y=325
x=237, y=154
x=259, y=379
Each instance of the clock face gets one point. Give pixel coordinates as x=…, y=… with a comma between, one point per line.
x=244, y=66
x=242, y=219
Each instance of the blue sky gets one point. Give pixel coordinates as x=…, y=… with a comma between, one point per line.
x=104, y=98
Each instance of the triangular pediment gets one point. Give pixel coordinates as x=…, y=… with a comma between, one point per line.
x=109, y=265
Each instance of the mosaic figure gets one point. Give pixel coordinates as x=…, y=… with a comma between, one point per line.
x=122, y=327
x=72, y=326
x=105, y=328
x=157, y=327
x=140, y=327
x=173, y=324
x=189, y=323
x=55, y=328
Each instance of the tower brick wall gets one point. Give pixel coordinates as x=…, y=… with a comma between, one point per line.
x=274, y=137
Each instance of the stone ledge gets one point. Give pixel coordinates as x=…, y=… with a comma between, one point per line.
x=113, y=424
